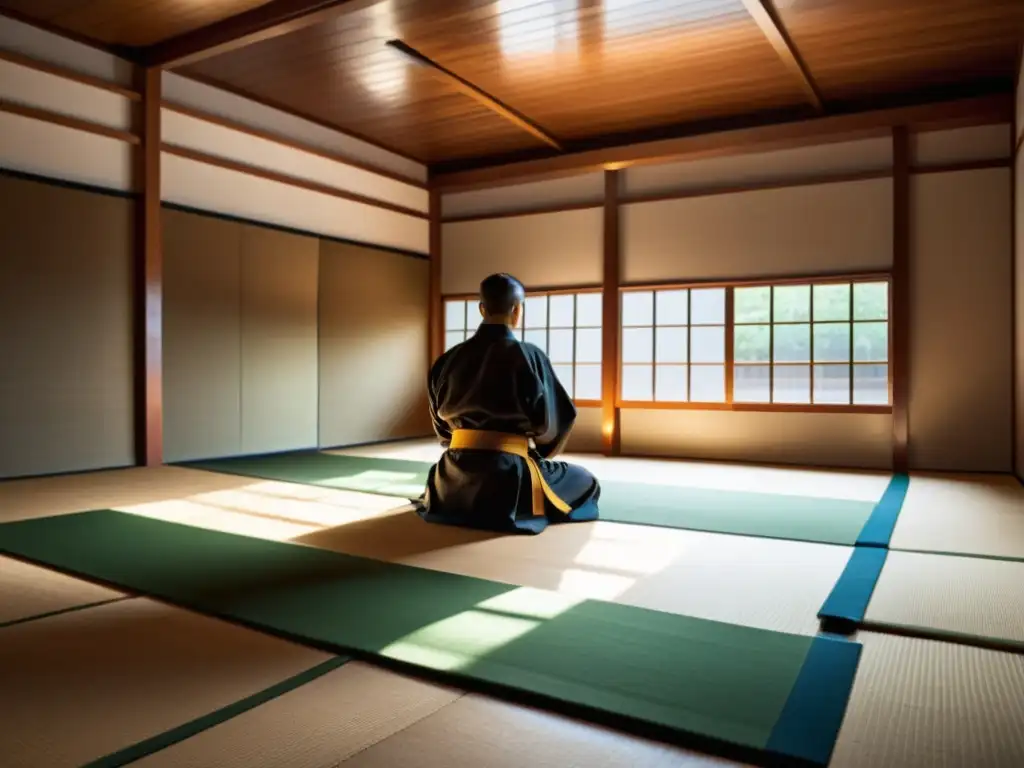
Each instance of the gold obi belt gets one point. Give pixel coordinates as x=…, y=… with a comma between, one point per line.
x=517, y=445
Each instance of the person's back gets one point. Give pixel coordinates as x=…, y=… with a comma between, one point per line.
x=502, y=414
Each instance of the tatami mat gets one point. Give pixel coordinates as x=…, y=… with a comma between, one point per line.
x=478, y=732
x=227, y=503
x=854, y=485
x=317, y=725
x=83, y=684
x=763, y=583
x=924, y=704
x=965, y=596
x=27, y=590
x=981, y=515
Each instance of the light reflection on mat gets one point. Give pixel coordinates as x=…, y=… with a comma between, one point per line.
x=457, y=641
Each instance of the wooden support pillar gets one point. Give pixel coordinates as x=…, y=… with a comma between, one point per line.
x=610, y=439
x=436, y=308
x=148, y=276
x=899, y=300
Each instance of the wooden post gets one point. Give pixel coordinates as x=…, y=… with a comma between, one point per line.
x=899, y=300
x=149, y=276
x=436, y=310
x=610, y=437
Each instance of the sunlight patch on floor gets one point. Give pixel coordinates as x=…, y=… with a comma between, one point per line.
x=458, y=641
x=268, y=510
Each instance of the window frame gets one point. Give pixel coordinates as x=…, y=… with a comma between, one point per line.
x=537, y=293
x=729, y=403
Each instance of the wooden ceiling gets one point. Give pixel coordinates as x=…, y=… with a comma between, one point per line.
x=524, y=78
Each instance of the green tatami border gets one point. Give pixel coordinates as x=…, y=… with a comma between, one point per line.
x=62, y=611
x=194, y=727
x=290, y=588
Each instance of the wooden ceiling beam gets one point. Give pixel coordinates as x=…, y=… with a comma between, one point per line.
x=278, y=17
x=761, y=138
x=766, y=18
x=482, y=97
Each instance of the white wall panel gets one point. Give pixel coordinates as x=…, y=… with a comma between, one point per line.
x=573, y=190
x=211, y=188
x=761, y=167
x=47, y=149
x=34, y=42
x=961, y=145
x=816, y=439
x=204, y=136
x=24, y=85
x=189, y=93
x=542, y=250
x=961, y=321
x=789, y=231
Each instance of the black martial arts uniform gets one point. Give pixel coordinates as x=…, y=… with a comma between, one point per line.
x=490, y=397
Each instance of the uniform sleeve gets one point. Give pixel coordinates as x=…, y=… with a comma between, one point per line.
x=441, y=429
x=551, y=409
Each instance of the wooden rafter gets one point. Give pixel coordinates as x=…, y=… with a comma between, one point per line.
x=464, y=86
x=272, y=19
x=767, y=20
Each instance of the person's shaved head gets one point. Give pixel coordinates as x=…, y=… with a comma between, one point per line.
x=500, y=297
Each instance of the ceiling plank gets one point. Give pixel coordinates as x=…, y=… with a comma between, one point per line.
x=767, y=20
x=761, y=138
x=464, y=86
x=278, y=17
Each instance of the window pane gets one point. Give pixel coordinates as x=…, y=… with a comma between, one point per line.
x=870, y=301
x=670, y=383
x=538, y=337
x=588, y=310
x=752, y=343
x=637, y=345
x=560, y=346
x=752, y=305
x=792, y=303
x=707, y=345
x=832, y=384
x=831, y=342
x=588, y=382
x=871, y=384
x=564, y=374
x=707, y=306
x=519, y=333
x=670, y=345
x=454, y=315
x=792, y=384
x=535, y=312
x=707, y=383
x=672, y=307
x=832, y=302
x=561, y=311
x=638, y=308
x=871, y=342
x=792, y=344
x=637, y=382
x=588, y=345
x=751, y=384
x=451, y=338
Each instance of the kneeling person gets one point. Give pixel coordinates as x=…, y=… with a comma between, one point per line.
x=502, y=415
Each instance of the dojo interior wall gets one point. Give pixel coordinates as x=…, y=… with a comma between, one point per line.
x=1018, y=181
x=268, y=307
x=803, y=223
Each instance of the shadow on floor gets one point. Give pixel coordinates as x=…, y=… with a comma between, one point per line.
x=393, y=535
